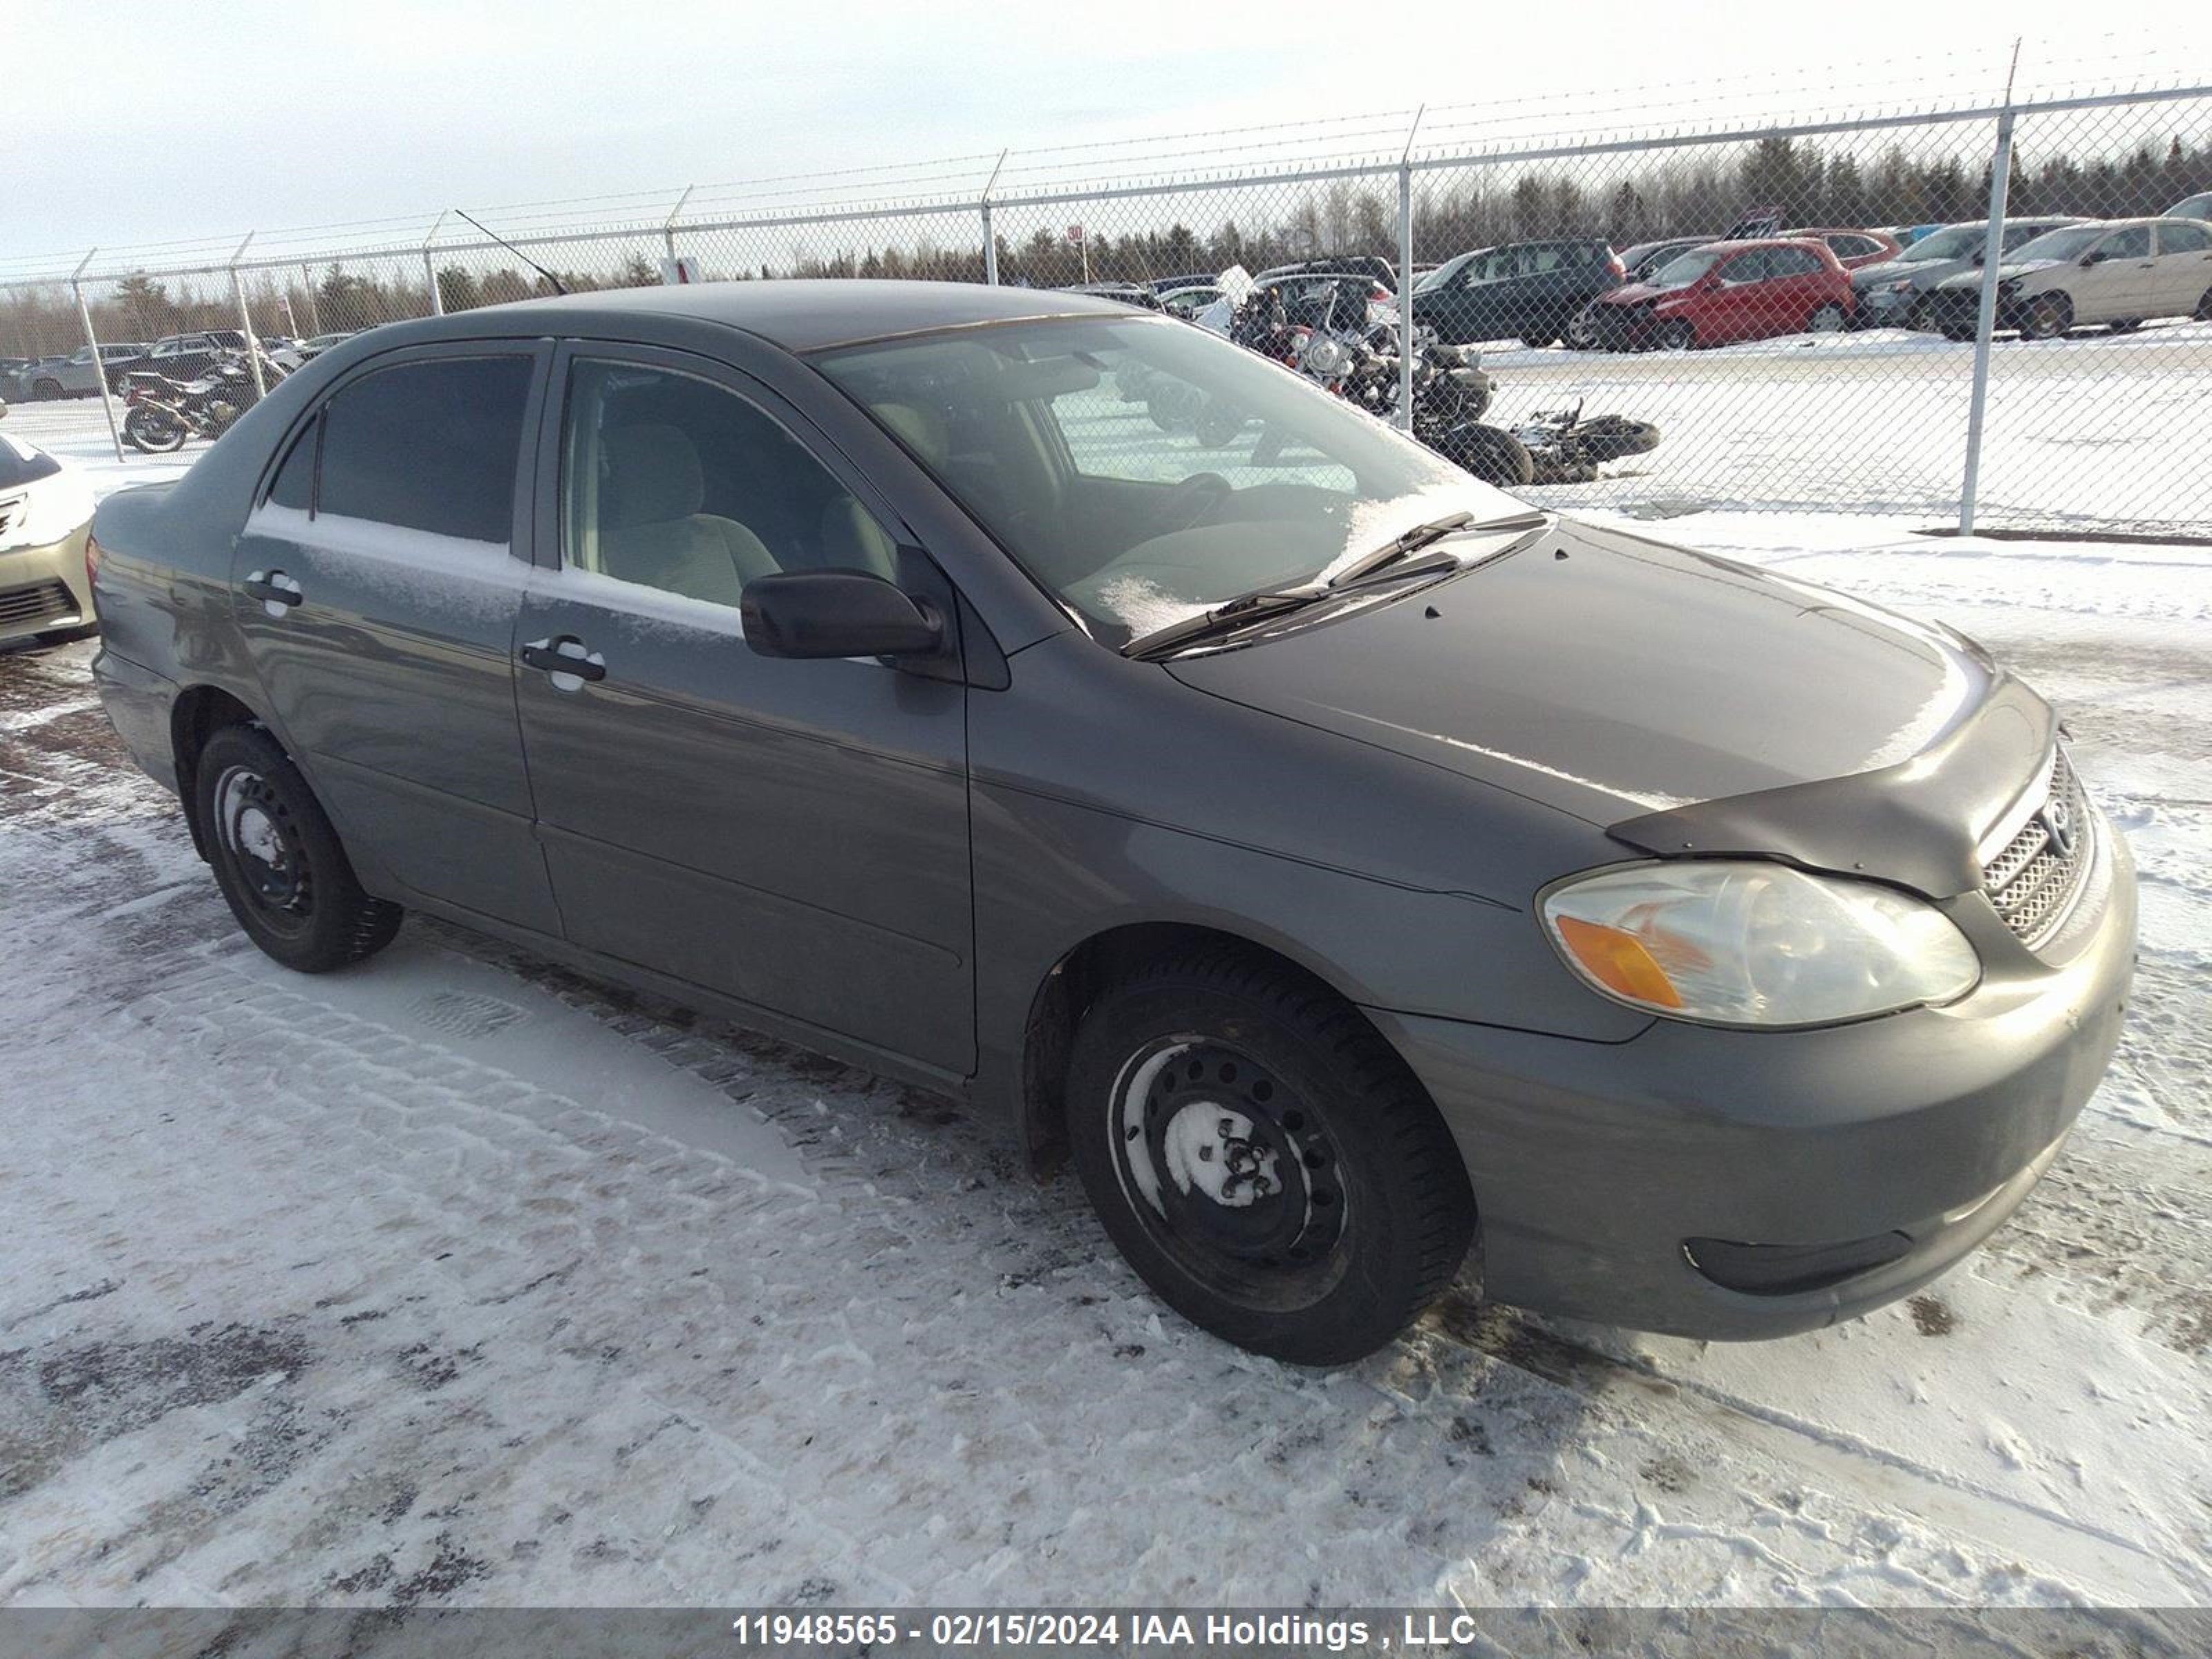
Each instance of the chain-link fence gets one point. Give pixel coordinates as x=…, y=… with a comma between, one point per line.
x=1808, y=311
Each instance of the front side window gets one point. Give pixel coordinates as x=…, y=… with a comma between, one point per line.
x=427, y=446
x=1142, y=470
x=1746, y=267
x=2133, y=243
x=676, y=484
x=2069, y=242
x=1685, y=270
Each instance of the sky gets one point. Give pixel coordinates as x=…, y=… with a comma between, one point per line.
x=138, y=121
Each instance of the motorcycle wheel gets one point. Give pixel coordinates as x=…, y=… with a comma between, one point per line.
x=1491, y=453
x=154, y=432
x=1611, y=437
x=1217, y=427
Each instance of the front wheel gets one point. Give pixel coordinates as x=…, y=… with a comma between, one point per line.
x=1263, y=1158
x=278, y=861
x=1826, y=320
x=1678, y=335
x=1490, y=453
x=45, y=391
x=1615, y=437
x=154, y=430
x=2048, y=316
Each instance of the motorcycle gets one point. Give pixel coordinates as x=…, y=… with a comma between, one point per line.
x=1566, y=448
x=166, y=414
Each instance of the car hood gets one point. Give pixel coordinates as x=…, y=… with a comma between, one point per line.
x=1629, y=294
x=1924, y=273
x=1675, y=698
x=2018, y=268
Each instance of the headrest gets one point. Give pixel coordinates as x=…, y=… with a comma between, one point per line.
x=653, y=475
x=921, y=430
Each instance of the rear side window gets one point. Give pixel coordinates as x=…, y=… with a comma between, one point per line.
x=427, y=445
x=295, y=484
x=2182, y=239
x=1792, y=262
x=1750, y=267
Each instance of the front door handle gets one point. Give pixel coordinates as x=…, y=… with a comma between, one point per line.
x=566, y=656
x=277, y=592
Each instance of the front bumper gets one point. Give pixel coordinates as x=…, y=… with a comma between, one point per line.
x=1621, y=328
x=44, y=588
x=1594, y=1164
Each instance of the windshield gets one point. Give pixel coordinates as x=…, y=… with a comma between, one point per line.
x=22, y=463
x=1444, y=273
x=1681, y=273
x=2071, y=243
x=1952, y=242
x=1144, y=470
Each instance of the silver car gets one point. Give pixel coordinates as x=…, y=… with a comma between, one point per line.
x=1895, y=293
x=73, y=376
x=2119, y=272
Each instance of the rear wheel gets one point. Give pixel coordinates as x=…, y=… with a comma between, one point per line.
x=278, y=861
x=1491, y=453
x=1612, y=437
x=1263, y=1159
x=46, y=389
x=1540, y=335
x=2048, y=316
x=2203, y=312
x=155, y=430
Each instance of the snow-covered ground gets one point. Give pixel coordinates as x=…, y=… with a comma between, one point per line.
x=457, y=1279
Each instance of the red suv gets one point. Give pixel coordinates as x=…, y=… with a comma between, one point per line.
x=1727, y=291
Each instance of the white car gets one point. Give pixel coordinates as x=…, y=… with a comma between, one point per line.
x=2116, y=271
x=45, y=511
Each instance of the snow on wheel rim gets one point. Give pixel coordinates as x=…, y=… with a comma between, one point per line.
x=1229, y=1170
x=263, y=846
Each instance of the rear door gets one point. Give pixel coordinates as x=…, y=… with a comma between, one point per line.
x=377, y=582
x=1739, y=302
x=2184, y=269
x=791, y=833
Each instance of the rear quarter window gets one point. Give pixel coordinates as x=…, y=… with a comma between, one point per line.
x=429, y=446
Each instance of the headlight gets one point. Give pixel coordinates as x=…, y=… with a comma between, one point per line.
x=54, y=506
x=1903, y=287
x=1749, y=943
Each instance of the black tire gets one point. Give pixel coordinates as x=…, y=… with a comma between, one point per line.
x=1491, y=453
x=1540, y=335
x=1357, y=1212
x=1615, y=437
x=1679, y=335
x=2048, y=317
x=153, y=431
x=1827, y=319
x=2126, y=325
x=1217, y=427
x=2203, y=312
x=280, y=866
x=46, y=390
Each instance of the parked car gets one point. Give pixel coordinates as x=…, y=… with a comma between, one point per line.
x=1187, y=301
x=2117, y=272
x=1854, y=249
x=1383, y=271
x=1897, y=292
x=1329, y=298
x=1161, y=285
x=1726, y=292
x=1639, y=262
x=2198, y=206
x=1128, y=294
x=1525, y=291
x=1732, y=988
x=178, y=356
x=32, y=372
x=45, y=514
x=315, y=344
x=75, y=376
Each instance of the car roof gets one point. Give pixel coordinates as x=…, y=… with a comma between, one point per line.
x=804, y=314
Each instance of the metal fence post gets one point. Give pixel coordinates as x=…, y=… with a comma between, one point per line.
x=668, y=225
x=431, y=269
x=315, y=311
x=98, y=364
x=1985, y=317
x=990, y=236
x=1406, y=277
x=245, y=319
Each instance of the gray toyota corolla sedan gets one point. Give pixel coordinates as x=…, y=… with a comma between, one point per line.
x=1349, y=866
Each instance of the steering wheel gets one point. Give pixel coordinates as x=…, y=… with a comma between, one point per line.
x=1190, y=501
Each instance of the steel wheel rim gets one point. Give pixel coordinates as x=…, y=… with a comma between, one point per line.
x=1230, y=1171
x=261, y=844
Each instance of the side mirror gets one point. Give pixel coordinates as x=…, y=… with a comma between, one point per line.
x=835, y=613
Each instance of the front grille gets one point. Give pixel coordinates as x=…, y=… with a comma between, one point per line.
x=31, y=605
x=2034, y=881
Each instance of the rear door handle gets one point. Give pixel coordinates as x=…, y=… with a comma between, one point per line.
x=566, y=656
x=277, y=592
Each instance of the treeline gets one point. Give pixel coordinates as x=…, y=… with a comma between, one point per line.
x=1628, y=198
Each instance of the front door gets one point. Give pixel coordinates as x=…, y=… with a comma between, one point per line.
x=792, y=833
x=377, y=582
x=2119, y=285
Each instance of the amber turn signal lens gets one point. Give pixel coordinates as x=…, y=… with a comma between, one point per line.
x=1618, y=960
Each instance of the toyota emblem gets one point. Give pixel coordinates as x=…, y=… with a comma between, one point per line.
x=2059, y=822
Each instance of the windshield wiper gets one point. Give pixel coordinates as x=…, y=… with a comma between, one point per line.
x=1245, y=610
